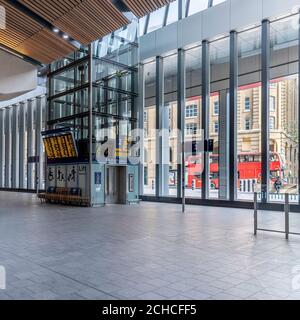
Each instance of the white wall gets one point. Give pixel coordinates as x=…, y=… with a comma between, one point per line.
x=39, y=91
x=16, y=76
x=213, y=22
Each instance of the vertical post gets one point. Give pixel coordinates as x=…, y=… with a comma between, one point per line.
x=298, y=108
x=38, y=141
x=286, y=214
x=141, y=110
x=233, y=116
x=2, y=147
x=159, y=114
x=255, y=213
x=223, y=136
x=30, y=147
x=181, y=127
x=8, y=147
x=15, y=148
x=90, y=104
x=187, y=8
x=181, y=9
x=23, y=107
x=205, y=115
x=265, y=109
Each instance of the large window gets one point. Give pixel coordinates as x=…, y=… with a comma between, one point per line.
x=249, y=114
x=197, y=6
x=218, y=119
x=191, y=111
x=191, y=129
x=247, y=104
x=194, y=158
x=169, y=127
x=283, y=111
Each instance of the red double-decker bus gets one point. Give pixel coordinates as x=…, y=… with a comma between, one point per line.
x=249, y=168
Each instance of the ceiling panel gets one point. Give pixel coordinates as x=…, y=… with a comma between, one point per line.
x=142, y=7
x=25, y=35
x=83, y=20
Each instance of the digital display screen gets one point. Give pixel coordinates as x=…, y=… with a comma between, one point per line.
x=60, y=146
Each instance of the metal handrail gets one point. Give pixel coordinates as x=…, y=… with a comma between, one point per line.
x=286, y=217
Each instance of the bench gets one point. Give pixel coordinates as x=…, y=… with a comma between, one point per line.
x=64, y=196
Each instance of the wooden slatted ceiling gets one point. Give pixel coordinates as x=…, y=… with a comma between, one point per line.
x=83, y=20
x=26, y=36
x=142, y=7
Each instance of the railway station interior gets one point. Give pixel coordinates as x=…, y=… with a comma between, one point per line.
x=149, y=150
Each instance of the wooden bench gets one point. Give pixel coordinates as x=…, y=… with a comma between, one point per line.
x=64, y=196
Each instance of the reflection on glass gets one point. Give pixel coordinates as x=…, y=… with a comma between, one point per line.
x=249, y=114
x=218, y=119
x=197, y=6
x=193, y=122
x=173, y=12
x=149, y=129
x=156, y=19
x=215, y=2
x=283, y=111
x=170, y=132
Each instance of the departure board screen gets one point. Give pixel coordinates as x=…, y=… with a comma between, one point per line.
x=60, y=146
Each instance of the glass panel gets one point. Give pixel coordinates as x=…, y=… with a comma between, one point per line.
x=173, y=12
x=197, y=6
x=69, y=79
x=218, y=119
x=283, y=125
x=193, y=120
x=156, y=19
x=215, y=2
x=249, y=114
x=169, y=126
x=150, y=129
x=142, y=23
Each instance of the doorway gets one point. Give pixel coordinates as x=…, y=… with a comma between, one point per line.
x=116, y=187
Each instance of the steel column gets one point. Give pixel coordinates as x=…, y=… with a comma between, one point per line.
x=233, y=87
x=181, y=84
x=265, y=109
x=2, y=147
x=15, y=148
x=159, y=113
x=8, y=147
x=30, y=145
x=91, y=125
x=205, y=114
x=141, y=110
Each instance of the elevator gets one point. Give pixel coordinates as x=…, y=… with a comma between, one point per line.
x=116, y=185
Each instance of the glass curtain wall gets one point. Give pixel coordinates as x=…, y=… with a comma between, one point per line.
x=218, y=119
x=169, y=132
x=193, y=122
x=149, y=128
x=283, y=121
x=249, y=114
x=283, y=109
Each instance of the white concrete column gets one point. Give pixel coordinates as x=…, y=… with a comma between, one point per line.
x=15, y=147
x=7, y=147
x=22, y=145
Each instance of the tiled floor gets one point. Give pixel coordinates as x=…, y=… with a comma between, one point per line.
x=147, y=251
